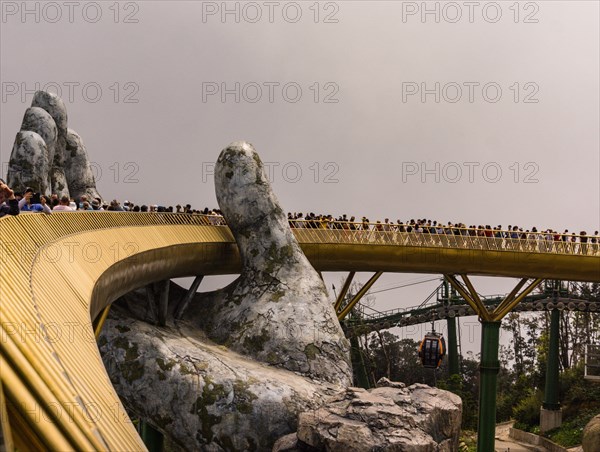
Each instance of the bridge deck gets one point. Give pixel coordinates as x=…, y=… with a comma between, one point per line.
x=59, y=271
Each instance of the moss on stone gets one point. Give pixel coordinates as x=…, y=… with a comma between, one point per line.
x=311, y=351
x=131, y=368
x=256, y=344
x=185, y=370
x=277, y=295
x=165, y=365
x=272, y=358
x=211, y=392
x=243, y=397
x=122, y=328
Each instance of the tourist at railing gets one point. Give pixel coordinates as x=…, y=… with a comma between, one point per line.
x=63, y=205
x=418, y=232
x=427, y=232
x=32, y=202
x=9, y=205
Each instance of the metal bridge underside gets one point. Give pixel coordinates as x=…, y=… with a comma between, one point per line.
x=60, y=271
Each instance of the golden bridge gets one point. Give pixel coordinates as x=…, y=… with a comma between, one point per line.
x=62, y=271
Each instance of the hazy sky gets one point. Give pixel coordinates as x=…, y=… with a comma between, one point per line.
x=480, y=112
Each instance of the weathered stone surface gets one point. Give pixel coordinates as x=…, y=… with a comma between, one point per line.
x=413, y=419
x=201, y=395
x=591, y=435
x=55, y=106
x=38, y=120
x=278, y=310
x=78, y=171
x=287, y=443
x=28, y=165
x=66, y=161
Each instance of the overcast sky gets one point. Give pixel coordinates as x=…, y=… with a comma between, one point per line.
x=481, y=113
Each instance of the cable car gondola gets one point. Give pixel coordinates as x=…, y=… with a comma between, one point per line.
x=432, y=350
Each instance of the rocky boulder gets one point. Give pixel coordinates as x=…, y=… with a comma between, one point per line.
x=55, y=106
x=417, y=418
x=28, y=165
x=38, y=120
x=78, y=170
x=591, y=435
x=278, y=311
x=203, y=396
x=65, y=162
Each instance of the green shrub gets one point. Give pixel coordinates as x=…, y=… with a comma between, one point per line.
x=527, y=412
x=570, y=433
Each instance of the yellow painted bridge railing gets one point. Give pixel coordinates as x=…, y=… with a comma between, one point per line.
x=59, y=271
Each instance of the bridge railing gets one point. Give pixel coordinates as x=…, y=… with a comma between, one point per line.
x=455, y=237
x=335, y=232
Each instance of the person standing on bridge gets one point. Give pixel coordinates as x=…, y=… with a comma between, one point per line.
x=8, y=203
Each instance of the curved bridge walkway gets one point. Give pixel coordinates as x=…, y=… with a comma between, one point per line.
x=60, y=271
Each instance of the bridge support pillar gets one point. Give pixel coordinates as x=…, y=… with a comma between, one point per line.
x=153, y=439
x=453, y=367
x=488, y=377
x=358, y=363
x=550, y=414
x=187, y=298
x=163, y=302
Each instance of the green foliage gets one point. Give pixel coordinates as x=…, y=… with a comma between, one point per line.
x=527, y=411
x=570, y=433
x=467, y=441
x=522, y=374
x=578, y=394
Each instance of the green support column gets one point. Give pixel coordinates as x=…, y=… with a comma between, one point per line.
x=551, y=391
x=358, y=363
x=550, y=415
x=488, y=376
x=153, y=439
x=453, y=368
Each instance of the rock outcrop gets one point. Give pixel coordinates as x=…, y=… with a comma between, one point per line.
x=78, y=170
x=29, y=165
x=38, y=120
x=59, y=161
x=391, y=417
x=55, y=106
x=203, y=396
x=591, y=435
x=278, y=311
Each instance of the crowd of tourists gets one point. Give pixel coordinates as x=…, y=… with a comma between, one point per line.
x=426, y=226
x=430, y=231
